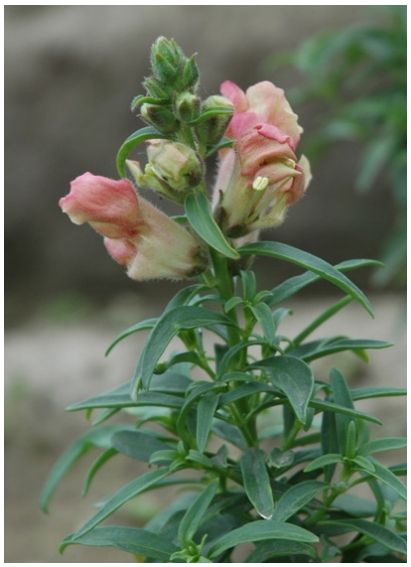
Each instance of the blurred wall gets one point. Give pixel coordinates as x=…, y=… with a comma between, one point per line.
x=71, y=73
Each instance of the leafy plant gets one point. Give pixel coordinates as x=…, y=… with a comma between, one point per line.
x=276, y=454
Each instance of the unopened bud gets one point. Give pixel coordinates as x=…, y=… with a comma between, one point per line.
x=214, y=119
x=176, y=164
x=161, y=117
x=188, y=107
x=190, y=74
x=167, y=60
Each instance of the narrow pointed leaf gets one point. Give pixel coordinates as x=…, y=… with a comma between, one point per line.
x=266, y=551
x=323, y=461
x=379, y=533
x=378, y=445
x=201, y=220
x=138, y=445
x=258, y=531
x=205, y=415
x=293, y=377
x=296, y=498
x=263, y=315
x=386, y=476
x=257, y=482
x=142, y=135
x=309, y=262
x=133, y=540
x=130, y=490
x=328, y=406
x=100, y=437
x=142, y=326
x=167, y=327
x=192, y=519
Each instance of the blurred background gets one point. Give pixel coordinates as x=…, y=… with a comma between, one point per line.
x=71, y=73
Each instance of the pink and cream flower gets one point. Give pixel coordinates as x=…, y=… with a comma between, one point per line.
x=260, y=177
x=136, y=234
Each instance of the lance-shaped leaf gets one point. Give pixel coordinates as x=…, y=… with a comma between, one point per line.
x=309, y=262
x=385, y=444
x=142, y=135
x=201, y=220
x=259, y=531
x=130, y=490
x=100, y=437
x=293, y=377
x=205, y=415
x=296, y=498
x=167, y=327
x=132, y=540
x=257, y=482
x=266, y=551
x=192, y=519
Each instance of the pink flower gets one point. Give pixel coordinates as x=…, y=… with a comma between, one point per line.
x=137, y=234
x=260, y=177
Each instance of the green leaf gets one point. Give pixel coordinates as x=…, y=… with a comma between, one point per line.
x=310, y=262
x=354, y=505
x=388, y=477
x=113, y=502
x=138, y=444
x=296, y=283
x=296, y=498
x=376, y=392
x=293, y=377
x=258, y=531
x=328, y=406
x=265, y=551
x=133, y=540
x=257, y=482
x=249, y=283
x=378, y=445
x=201, y=219
x=96, y=466
x=142, y=135
x=100, y=437
x=342, y=397
x=198, y=391
x=263, y=315
x=142, y=326
x=205, y=415
x=379, y=533
x=192, y=519
x=340, y=346
x=323, y=461
x=167, y=327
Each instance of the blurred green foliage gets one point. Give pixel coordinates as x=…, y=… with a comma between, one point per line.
x=359, y=74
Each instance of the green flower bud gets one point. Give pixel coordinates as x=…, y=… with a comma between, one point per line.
x=157, y=90
x=214, y=119
x=161, y=117
x=167, y=60
x=190, y=73
x=188, y=107
x=175, y=163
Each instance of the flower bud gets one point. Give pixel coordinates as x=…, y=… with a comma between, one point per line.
x=157, y=90
x=190, y=74
x=174, y=163
x=167, y=60
x=188, y=107
x=161, y=117
x=215, y=117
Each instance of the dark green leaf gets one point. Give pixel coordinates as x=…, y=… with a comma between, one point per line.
x=96, y=466
x=133, y=540
x=265, y=551
x=258, y=531
x=296, y=283
x=376, y=392
x=167, y=327
x=249, y=284
x=342, y=397
x=354, y=505
x=142, y=326
x=385, y=475
x=100, y=437
x=142, y=135
x=323, y=461
x=263, y=315
x=205, y=415
x=257, y=482
x=342, y=345
x=194, y=516
x=130, y=490
x=138, y=444
x=201, y=220
x=379, y=533
x=296, y=498
x=293, y=377
x=378, y=445
x=310, y=262
x=328, y=406
x=230, y=433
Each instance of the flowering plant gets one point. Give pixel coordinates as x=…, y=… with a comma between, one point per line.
x=287, y=488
